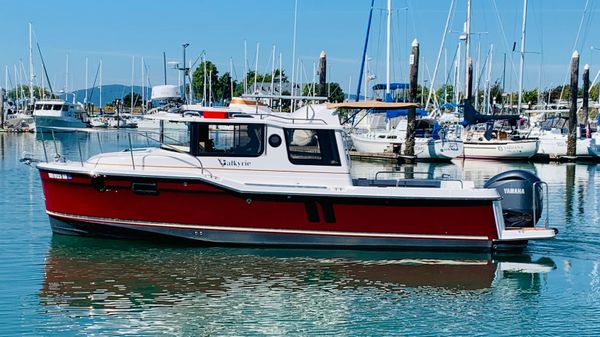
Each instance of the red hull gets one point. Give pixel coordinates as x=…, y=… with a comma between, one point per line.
x=189, y=203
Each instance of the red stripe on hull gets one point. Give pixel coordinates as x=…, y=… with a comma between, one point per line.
x=198, y=203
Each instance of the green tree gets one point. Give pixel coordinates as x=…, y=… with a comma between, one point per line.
x=212, y=80
x=530, y=97
x=594, y=92
x=137, y=100
x=333, y=91
x=496, y=92
x=422, y=94
x=23, y=92
x=448, y=90
x=223, y=88
x=264, y=79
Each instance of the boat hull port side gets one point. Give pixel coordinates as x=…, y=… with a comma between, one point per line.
x=200, y=211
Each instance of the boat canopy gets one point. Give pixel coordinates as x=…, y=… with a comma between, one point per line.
x=472, y=116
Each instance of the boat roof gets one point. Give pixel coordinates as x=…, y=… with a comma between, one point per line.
x=225, y=116
x=375, y=105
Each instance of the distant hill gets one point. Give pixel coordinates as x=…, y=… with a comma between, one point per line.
x=109, y=93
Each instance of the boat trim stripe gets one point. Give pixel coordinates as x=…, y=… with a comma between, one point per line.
x=265, y=230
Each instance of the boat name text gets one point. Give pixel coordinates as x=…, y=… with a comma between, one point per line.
x=234, y=163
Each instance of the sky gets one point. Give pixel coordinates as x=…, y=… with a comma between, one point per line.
x=117, y=31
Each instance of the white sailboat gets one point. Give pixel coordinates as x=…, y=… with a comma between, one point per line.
x=392, y=138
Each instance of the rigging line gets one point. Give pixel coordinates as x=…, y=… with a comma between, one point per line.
x=439, y=57
x=504, y=40
x=587, y=27
x=568, y=72
x=481, y=73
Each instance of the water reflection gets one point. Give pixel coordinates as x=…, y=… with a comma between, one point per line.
x=109, y=275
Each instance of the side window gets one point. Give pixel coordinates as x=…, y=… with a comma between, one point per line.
x=233, y=140
x=312, y=147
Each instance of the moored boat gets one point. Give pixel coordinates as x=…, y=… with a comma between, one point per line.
x=495, y=136
x=58, y=115
x=432, y=142
x=246, y=179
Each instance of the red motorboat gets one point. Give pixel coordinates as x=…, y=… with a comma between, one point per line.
x=281, y=180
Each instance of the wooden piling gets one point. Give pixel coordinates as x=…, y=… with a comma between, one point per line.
x=323, y=74
x=572, y=136
x=586, y=97
x=409, y=149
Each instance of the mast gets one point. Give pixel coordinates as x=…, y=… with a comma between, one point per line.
x=165, y=66
x=231, y=76
x=272, y=74
x=437, y=63
x=204, y=83
x=143, y=86
x=294, y=47
x=467, y=48
x=100, y=103
x=85, y=100
x=185, y=70
x=388, y=93
x=364, y=55
x=245, y=68
x=132, y=82
x=67, y=78
x=256, y=67
x=522, y=54
x=30, y=66
x=280, y=78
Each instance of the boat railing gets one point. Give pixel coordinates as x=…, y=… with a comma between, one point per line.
x=444, y=177
x=60, y=158
x=293, y=120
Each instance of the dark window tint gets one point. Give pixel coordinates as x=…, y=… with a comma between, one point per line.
x=312, y=147
x=234, y=140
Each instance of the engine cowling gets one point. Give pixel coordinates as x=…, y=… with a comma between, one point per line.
x=522, y=196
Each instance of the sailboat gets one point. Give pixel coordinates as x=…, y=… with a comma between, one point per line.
x=495, y=136
x=430, y=143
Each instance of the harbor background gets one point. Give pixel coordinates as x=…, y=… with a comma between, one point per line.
x=57, y=285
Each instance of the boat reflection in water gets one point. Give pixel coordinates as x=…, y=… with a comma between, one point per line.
x=103, y=276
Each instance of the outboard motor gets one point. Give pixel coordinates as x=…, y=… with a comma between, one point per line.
x=521, y=193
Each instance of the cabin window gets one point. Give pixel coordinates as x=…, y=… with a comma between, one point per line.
x=312, y=147
x=38, y=107
x=65, y=108
x=47, y=107
x=57, y=107
x=232, y=140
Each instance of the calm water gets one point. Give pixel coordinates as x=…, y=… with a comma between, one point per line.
x=57, y=285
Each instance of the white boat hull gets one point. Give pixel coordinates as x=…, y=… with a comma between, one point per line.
x=557, y=146
x=425, y=148
x=517, y=149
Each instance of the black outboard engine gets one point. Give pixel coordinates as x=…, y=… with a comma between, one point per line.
x=521, y=193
